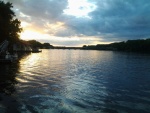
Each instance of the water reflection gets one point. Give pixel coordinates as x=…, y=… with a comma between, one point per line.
x=8, y=82
x=125, y=84
x=7, y=78
x=66, y=81
x=62, y=81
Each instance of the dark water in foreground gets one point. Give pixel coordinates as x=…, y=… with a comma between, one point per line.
x=76, y=81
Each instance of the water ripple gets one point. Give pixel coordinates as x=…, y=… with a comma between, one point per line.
x=77, y=81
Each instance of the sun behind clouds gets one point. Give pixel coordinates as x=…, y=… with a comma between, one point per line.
x=79, y=8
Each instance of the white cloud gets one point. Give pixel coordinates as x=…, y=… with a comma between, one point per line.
x=110, y=20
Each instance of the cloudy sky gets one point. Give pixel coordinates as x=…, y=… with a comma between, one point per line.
x=83, y=22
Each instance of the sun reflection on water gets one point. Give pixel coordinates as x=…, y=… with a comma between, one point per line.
x=76, y=81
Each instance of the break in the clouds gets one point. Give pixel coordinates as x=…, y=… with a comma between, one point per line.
x=77, y=22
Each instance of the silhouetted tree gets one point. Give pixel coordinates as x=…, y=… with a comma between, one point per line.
x=47, y=46
x=140, y=45
x=34, y=44
x=9, y=26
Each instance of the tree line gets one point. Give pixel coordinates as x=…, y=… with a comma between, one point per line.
x=36, y=44
x=10, y=28
x=139, y=45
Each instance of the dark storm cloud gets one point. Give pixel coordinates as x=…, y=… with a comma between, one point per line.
x=42, y=9
x=112, y=19
x=124, y=19
x=39, y=12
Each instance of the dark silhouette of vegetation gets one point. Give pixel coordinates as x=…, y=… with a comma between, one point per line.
x=10, y=27
x=47, y=46
x=140, y=45
x=36, y=44
x=98, y=47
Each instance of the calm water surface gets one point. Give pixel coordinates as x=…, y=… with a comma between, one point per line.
x=76, y=81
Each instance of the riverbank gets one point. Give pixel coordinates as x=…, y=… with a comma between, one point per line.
x=141, y=46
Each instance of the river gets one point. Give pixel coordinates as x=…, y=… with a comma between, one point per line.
x=76, y=81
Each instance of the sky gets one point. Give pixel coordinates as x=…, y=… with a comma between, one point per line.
x=83, y=22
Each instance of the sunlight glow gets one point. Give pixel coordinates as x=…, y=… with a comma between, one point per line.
x=29, y=35
x=54, y=27
x=62, y=41
x=79, y=8
x=24, y=24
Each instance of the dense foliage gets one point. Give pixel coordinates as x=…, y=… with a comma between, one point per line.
x=141, y=45
x=36, y=44
x=10, y=27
